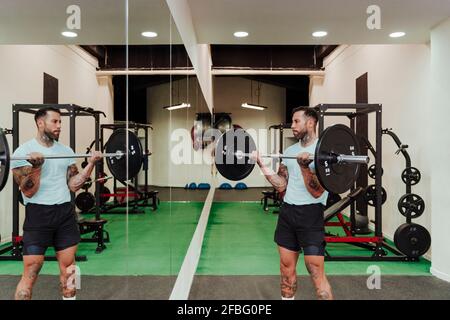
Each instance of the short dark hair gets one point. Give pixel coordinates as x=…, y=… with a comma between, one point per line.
x=43, y=112
x=308, y=112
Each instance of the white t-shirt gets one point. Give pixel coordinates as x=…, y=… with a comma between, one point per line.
x=296, y=192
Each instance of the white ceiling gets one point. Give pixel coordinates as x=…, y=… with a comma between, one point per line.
x=267, y=21
x=102, y=22
x=293, y=21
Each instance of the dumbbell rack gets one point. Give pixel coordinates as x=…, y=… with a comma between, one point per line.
x=411, y=238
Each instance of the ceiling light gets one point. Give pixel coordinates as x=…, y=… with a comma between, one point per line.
x=178, y=106
x=398, y=34
x=319, y=34
x=253, y=106
x=149, y=34
x=240, y=34
x=69, y=34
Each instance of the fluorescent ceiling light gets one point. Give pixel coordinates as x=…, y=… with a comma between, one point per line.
x=253, y=106
x=149, y=34
x=69, y=34
x=178, y=106
x=398, y=34
x=319, y=34
x=240, y=34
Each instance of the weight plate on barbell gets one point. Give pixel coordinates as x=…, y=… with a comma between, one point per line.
x=370, y=195
x=227, y=163
x=119, y=167
x=412, y=205
x=412, y=239
x=337, y=177
x=4, y=160
x=411, y=176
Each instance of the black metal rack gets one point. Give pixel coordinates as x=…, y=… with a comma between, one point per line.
x=377, y=244
x=67, y=110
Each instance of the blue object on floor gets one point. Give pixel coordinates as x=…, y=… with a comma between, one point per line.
x=240, y=186
x=204, y=186
x=192, y=186
x=225, y=186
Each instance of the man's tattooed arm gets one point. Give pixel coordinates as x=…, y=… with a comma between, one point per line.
x=28, y=178
x=278, y=180
x=76, y=179
x=312, y=182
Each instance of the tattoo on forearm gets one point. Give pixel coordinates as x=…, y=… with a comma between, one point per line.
x=279, y=180
x=314, y=184
x=75, y=179
x=28, y=179
x=72, y=171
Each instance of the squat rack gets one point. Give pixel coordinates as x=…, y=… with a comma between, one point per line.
x=376, y=242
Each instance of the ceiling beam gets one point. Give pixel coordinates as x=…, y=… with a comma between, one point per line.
x=199, y=54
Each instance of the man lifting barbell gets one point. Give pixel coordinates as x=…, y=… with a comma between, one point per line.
x=50, y=216
x=330, y=163
x=300, y=222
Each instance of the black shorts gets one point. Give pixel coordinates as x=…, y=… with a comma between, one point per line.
x=301, y=226
x=49, y=226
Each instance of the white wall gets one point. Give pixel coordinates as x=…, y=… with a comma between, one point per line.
x=230, y=93
x=438, y=133
x=163, y=171
x=21, y=81
x=399, y=79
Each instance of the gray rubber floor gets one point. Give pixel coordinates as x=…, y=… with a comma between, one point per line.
x=235, y=288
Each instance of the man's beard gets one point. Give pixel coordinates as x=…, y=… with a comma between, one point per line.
x=301, y=135
x=49, y=136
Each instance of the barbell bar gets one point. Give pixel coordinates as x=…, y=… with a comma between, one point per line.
x=338, y=158
x=123, y=152
x=118, y=154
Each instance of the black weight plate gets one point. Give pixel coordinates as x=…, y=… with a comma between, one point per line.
x=370, y=195
x=334, y=177
x=372, y=171
x=227, y=163
x=411, y=176
x=4, y=160
x=85, y=201
x=412, y=205
x=103, y=192
x=118, y=166
x=412, y=239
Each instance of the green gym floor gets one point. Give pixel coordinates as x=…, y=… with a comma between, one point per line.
x=238, y=248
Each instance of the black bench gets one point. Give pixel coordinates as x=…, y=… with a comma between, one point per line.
x=97, y=227
x=274, y=196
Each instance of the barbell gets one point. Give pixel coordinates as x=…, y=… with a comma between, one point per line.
x=336, y=158
x=123, y=153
